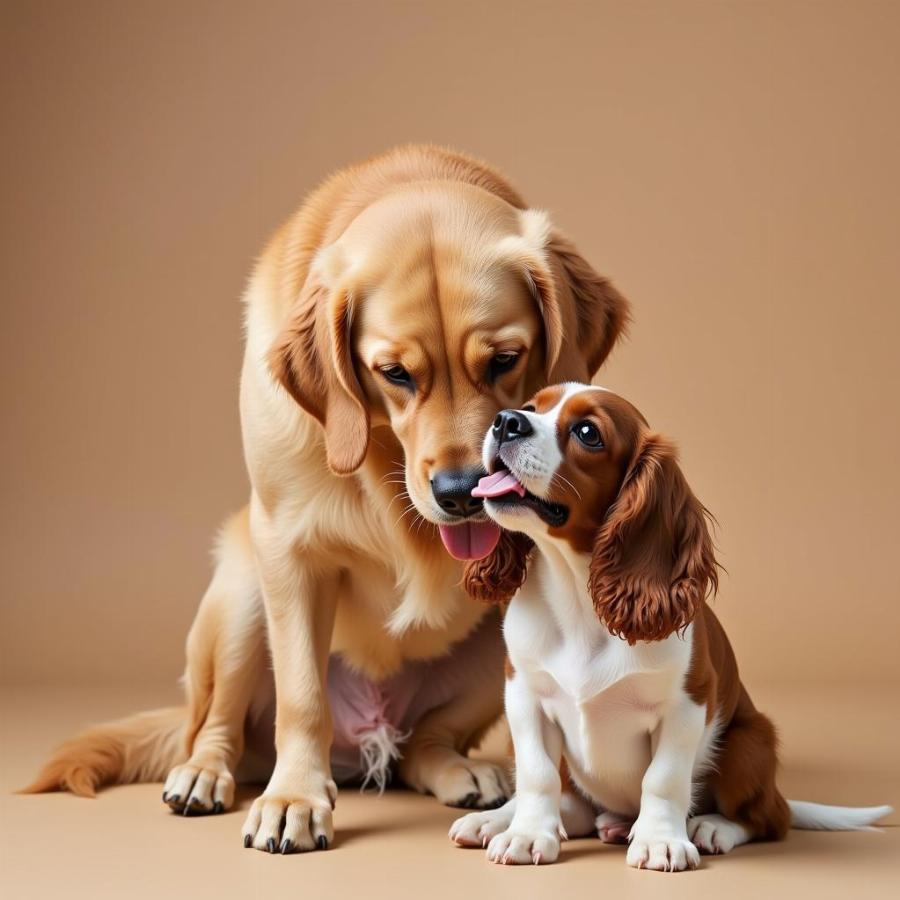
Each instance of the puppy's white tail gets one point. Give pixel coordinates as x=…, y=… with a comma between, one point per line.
x=818, y=817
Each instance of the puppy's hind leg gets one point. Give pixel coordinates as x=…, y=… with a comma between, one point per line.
x=748, y=802
x=225, y=654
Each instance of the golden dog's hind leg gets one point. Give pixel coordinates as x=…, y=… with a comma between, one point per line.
x=225, y=653
x=465, y=694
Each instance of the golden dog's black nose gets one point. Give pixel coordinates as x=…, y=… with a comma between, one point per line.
x=510, y=425
x=453, y=491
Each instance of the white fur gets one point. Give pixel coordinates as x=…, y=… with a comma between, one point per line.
x=819, y=817
x=378, y=748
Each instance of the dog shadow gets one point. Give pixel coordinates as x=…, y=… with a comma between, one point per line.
x=800, y=846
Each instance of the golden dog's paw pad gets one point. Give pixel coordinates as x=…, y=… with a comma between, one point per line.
x=277, y=824
x=472, y=784
x=197, y=790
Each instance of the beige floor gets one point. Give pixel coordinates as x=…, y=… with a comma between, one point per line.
x=843, y=748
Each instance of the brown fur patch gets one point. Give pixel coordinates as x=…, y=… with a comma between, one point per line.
x=543, y=401
x=508, y=668
x=743, y=782
x=499, y=575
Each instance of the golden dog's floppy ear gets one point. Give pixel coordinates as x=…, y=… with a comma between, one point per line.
x=312, y=359
x=528, y=253
x=653, y=561
x=600, y=313
x=501, y=573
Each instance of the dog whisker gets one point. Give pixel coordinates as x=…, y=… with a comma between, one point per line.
x=565, y=480
x=408, y=509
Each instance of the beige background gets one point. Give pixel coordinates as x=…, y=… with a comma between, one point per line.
x=733, y=166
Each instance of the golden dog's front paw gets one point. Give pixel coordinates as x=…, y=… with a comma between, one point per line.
x=278, y=823
x=471, y=784
x=199, y=788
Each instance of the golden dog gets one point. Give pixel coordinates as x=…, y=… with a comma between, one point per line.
x=408, y=300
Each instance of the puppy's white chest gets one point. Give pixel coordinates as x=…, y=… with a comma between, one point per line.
x=606, y=697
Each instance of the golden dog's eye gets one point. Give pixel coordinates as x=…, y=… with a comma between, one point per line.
x=588, y=434
x=396, y=374
x=502, y=363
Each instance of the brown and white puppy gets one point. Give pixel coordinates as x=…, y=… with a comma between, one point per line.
x=616, y=663
x=408, y=299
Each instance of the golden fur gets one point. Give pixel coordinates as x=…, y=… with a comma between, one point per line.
x=422, y=258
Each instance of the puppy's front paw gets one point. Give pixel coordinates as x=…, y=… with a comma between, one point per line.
x=662, y=854
x=477, y=828
x=280, y=823
x=517, y=846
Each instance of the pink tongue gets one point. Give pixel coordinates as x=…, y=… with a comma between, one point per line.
x=471, y=540
x=498, y=484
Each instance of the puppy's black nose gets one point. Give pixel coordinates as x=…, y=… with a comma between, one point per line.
x=510, y=425
x=452, y=489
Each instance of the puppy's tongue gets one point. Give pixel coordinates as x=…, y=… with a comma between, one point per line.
x=471, y=540
x=498, y=484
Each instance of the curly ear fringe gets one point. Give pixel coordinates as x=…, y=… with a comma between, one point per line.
x=637, y=613
x=499, y=575
x=653, y=563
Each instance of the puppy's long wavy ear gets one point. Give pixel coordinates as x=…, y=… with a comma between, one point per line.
x=312, y=359
x=653, y=561
x=499, y=575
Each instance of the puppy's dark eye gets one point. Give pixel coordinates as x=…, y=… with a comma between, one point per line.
x=396, y=374
x=588, y=434
x=529, y=407
x=501, y=364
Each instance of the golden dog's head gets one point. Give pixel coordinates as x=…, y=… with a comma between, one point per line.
x=439, y=305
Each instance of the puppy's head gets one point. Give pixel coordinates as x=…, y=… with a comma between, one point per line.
x=439, y=305
x=578, y=467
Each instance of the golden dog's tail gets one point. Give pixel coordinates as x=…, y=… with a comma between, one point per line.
x=142, y=747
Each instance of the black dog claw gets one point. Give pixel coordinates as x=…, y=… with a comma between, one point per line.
x=248, y=840
x=470, y=801
x=270, y=845
x=322, y=842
